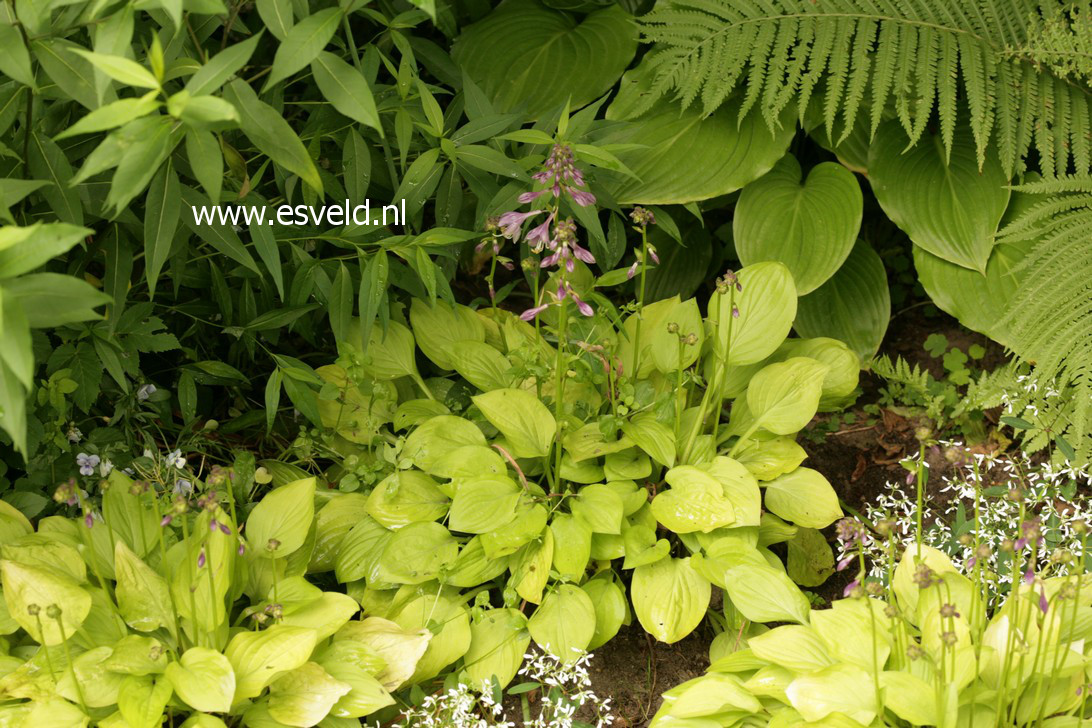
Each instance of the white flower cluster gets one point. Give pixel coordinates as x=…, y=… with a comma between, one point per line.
x=1048, y=492
x=566, y=688
x=459, y=707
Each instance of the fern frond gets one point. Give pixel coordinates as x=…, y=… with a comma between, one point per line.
x=1020, y=65
x=1049, y=318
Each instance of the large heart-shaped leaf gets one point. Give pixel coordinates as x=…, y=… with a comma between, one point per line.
x=947, y=205
x=669, y=598
x=810, y=227
x=528, y=57
x=979, y=300
x=685, y=156
x=854, y=306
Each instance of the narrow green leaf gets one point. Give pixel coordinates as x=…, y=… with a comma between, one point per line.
x=304, y=41
x=346, y=90
x=162, y=208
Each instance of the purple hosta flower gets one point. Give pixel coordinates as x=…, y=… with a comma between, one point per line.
x=735, y=311
x=1043, y=603
x=1029, y=576
x=637, y=263
x=851, y=587
x=242, y=548
x=565, y=290
x=565, y=248
x=67, y=493
x=844, y=563
x=201, y=559
x=87, y=463
x=223, y=528
x=88, y=519
x=145, y=391
x=642, y=217
x=561, y=177
x=851, y=531
x=1032, y=532
x=511, y=223
x=165, y=521
x=539, y=236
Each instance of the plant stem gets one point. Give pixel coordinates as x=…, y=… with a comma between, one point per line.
x=640, y=304
x=561, y=365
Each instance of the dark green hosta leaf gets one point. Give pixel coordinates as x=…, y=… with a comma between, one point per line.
x=949, y=208
x=687, y=156
x=527, y=57
x=854, y=306
x=809, y=226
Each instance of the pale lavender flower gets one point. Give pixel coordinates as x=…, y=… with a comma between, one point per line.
x=87, y=463
x=145, y=391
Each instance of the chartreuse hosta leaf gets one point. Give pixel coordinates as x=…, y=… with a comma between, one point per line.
x=278, y=525
x=439, y=327
x=551, y=58
x=203, y=679
x=685, y=156
x=523, y=420
x=564, y=623
x=804, y=497
x=694, y=502
x=766, y=303
x=669, y=598
x=947, y=204
x=810, y=225
x=47, y=604
x=762, y=593
x=498, y=641
x=783, y=397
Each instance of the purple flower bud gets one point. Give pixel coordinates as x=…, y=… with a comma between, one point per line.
x=532, y=313
x=632, y=271
x=531, y=196
x=242, y=548
x=165, y=520
x=1029, y=576
x=88, y=520
x=735, y=311
x=652, y=254
x=845, y=563
x=850, y=587
x=584, y=254
x=1043, y=603
x=224, y=529
x=201, y=559
x=1020, y=543
x=213, y=524
x=582, y=197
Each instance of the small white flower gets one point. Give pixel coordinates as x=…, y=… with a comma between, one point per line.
x=145, y=391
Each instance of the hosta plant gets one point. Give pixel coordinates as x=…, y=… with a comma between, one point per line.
x=926, y=652
x=544, y=469
x=151, y=603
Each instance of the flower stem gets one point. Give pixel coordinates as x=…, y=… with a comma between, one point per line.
x=640, y=304
x=560, y=367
